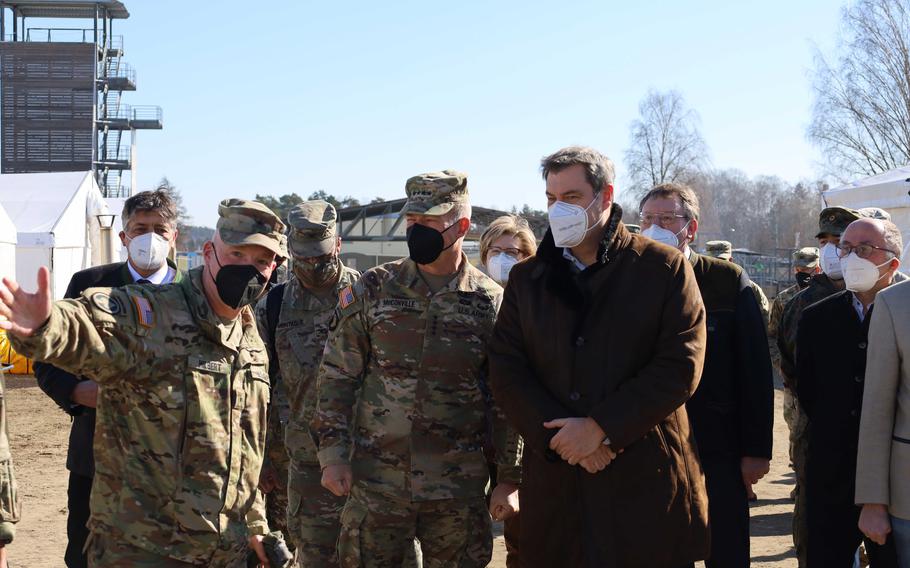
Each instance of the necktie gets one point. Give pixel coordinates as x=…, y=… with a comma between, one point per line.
x=143, y=281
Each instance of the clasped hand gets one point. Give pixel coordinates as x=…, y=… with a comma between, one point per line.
x=580, y=442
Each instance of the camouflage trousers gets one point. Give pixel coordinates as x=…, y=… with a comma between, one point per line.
x=105, y=551
x=276, y=500
x=799, y=447
x=313, y=517
x=377, y=531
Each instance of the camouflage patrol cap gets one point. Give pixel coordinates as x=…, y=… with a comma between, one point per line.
x=834, y=220
x=312, y=229
x=435, y=193
x=806, y=257
x=245, y=222
x=635, y=229
x=874, y=213
x=719, y=249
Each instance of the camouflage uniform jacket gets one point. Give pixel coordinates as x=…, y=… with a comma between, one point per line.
x=419, y=360
x=763, y=306
x=303, y=326
x=181, y=415
x=777, y=312
x=10, y=511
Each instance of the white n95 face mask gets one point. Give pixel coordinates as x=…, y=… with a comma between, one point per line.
x=831, y=261
x=499, y=265
x=148, y=251
x=665, y=236
x=860, y=275
x=569, y=223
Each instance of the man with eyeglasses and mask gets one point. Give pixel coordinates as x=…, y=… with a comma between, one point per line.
x=403, y=408
x=149, y=233
x=294, y=324
x=184, y=393
x=732, y=410
x=831, y=362
x=597, y=347
x=832, y=221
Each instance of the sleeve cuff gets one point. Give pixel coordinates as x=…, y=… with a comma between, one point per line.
x=508, y=474
x=333, y=455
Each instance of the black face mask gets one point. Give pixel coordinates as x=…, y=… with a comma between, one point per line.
x=239, y=285
x=425, y=244
x=802, y=279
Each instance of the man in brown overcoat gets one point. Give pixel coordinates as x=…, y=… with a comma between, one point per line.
x=599, y=343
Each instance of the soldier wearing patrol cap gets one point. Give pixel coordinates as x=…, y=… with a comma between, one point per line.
x=294, y=323
x=405, y=362
x=724, y=251
x=182, y=409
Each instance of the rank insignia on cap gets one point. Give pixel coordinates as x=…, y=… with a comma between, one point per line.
x=144, y=311
x=346, y=297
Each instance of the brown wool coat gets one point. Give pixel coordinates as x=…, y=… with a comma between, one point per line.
x=628, y=352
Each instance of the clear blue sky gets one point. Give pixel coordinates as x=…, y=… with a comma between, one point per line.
x=354, y=98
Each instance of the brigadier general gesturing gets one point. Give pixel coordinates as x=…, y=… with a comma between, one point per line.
x=180, y=440
x=403, y=409
x=598, y=345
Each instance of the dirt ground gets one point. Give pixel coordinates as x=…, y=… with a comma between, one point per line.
x=39, y=433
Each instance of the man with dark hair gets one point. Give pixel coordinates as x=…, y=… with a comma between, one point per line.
x=732, y=411
x=599, y=379
x=149, y=233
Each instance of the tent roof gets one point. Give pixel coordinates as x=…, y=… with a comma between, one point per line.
x=7, y=228
x=888, y=189
x=36, y=201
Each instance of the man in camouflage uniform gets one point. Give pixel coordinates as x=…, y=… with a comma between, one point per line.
x=9, y=494
x=411, y=337
x=305, y=306
x=181, y=414
x=805, y=266
x=724, y=250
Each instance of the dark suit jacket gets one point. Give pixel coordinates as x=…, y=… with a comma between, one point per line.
x=831, y=363
x=732, y=411
x=59, y=384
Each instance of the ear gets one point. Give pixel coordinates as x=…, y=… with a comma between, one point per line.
x=464, y=225
x=123, y=239
x=338, y=246
x=174, y=236
x=692, y=230
x=607, y=196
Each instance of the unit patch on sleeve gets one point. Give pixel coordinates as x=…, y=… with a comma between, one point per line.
x=144, y=312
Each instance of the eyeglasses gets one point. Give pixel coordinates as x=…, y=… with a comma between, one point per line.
x=662, y=219
x=862, y=251
x=513, y=252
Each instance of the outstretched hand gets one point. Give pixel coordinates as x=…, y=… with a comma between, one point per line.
x=22, y=313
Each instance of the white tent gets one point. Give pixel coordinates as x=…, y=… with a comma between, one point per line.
x=7, y=245
x=889, y=191
x=55, y=217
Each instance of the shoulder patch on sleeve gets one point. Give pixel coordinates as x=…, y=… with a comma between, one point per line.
x=145, y=315
x=346, y=297
x=107, y=303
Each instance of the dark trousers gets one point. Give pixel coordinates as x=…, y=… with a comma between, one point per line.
x=834, y=537
x=77, y=501
x=728, y=513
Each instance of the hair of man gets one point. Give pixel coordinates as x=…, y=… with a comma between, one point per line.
x=157, y=200
x=599, y=169
x=683, y=193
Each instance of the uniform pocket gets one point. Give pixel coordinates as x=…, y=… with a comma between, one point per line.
x=9, y=493
x=349, y=548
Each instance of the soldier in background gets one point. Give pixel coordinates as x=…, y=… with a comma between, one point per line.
x=406, y=362
x=184, y=393
x=10, y=510
x=294, y=324
x=805, y=266
x=724, y=251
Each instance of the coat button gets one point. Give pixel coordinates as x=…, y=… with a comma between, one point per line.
x=579, y=341
x=574, y=396
x=858, y=379
x=853, y=413
x=862, y=345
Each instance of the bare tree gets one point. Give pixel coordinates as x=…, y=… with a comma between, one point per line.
x=665, y=144
x=861, y=116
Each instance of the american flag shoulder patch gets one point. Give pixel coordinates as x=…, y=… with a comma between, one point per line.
x=346, y=297
x=144, y=312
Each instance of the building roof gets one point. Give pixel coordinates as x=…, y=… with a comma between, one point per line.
x=66, y=8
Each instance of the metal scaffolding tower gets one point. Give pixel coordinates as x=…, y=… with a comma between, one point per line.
x=61, y=93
